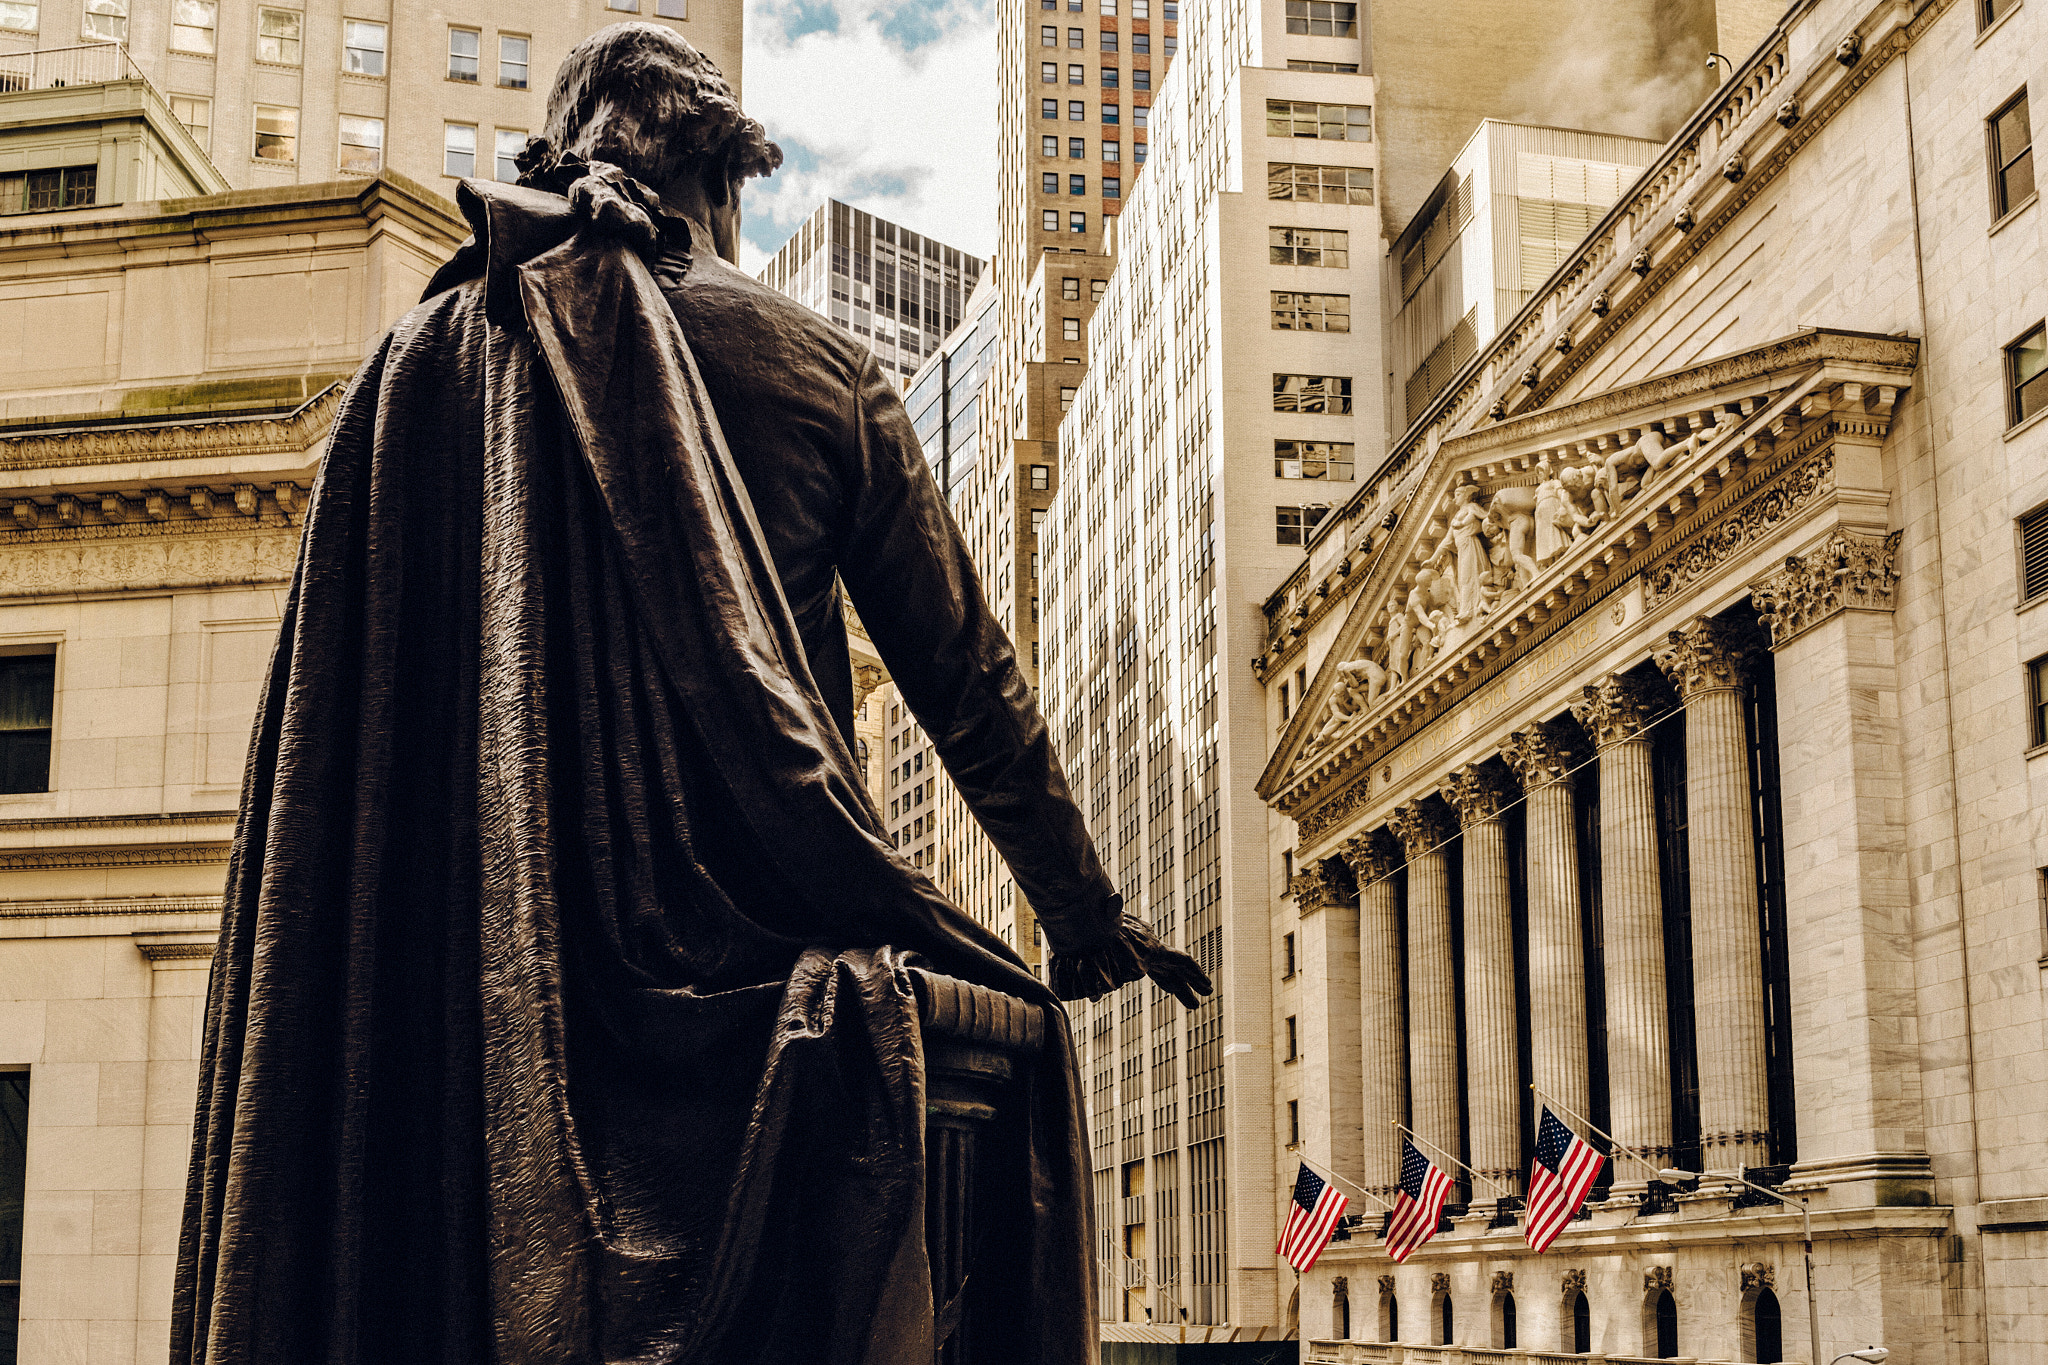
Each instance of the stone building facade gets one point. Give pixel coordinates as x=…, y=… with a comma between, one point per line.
x=1666, y=756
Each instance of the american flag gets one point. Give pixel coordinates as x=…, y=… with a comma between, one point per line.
x=1317, y=1208
x=1419, y=1208
x=1564, y=1170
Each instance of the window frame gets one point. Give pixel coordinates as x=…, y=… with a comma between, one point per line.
x=342, y=144
x=115, y=11
x=298, y=40
x=1332, y=456
x=2016, y=415
x=212, y=30
x=35, y=17
x=525, y=66
x=475, y=58
x=1293, y=301
x=498, y=136
x=2035, y=518
x=201, y=102
x=383, y=51
x=1989, y=13
x=2003, y=202
x=12, y=658
x=2037, y=702
x=448, y=128
x=1322, y=247
x=256, y=136
x=1282, y=391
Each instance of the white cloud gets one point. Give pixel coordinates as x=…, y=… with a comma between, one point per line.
x=890, y=106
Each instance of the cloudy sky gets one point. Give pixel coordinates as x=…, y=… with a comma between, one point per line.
x=886, y=104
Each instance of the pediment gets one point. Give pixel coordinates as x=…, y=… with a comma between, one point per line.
x=1507, y=527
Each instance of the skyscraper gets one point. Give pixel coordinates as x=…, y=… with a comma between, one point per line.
x=899, y=292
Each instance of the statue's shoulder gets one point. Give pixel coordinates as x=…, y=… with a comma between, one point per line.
x=726, y=310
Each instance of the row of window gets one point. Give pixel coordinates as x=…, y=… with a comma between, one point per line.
x=1077, y=150
x=1112, y=114
x=1330, y=122
x=1298, y=312
x=1318, y=184
x=1140, y=9
x=61, y=187
x=1070, y=289
x=1322, y=18
x=1141, y=43
x=1049, y=74
x=1112, y=185
x=361, y=141
x=1329, y=247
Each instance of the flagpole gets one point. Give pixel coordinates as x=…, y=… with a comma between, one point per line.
x=1612, y=1141
x=1336, y=1179
x=1415, y=1137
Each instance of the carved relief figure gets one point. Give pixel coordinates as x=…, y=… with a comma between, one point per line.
x=1463, y=539
x=1511, y=527
x=1585, y=500
x=1553, y=514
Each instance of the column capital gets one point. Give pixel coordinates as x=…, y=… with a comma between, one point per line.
x=1542, y=754
x=1322, y=884
x=1420, y=827
x=1478, y=793
x=1616, y=708
x=1845, y=572
x=1709, y=655
x=1372, y=856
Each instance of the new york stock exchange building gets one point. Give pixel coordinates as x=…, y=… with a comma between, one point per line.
x=1667, y=752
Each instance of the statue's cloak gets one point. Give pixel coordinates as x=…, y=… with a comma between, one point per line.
x=561, y=1009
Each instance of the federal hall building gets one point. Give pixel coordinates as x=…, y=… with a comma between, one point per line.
x=1668, y=749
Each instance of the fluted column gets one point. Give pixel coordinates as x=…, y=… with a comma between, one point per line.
x=1617, y=712
x=1432, y=998
x=1326, y=944
x=1479, y=792
x=1374, y=859
x=1709, y=663
x=1542, y=758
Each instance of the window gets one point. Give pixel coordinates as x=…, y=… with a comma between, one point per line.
x=1048, y=108
x=1141, y=117
x=1112, y=113
x=1049, y=73
x=463, y=46
x=1112, y=151
x=197, y=116
x=1582, y=1324
x=1141, y=9
x=2012, y=157
x=1290, y=522
x=1666, y=1315
x=1318, y=184
x=1077, y=112
x=1112, y=187
x=1173, y=45
x=1041, y=477
x=1141, y=42
x=1330, y=122
x=1309, y=246
x=1109, y=9
x=1066, y=405
x=27, y=700
x=106, y=21
x=1341, y=68
x=1294, y=1123
x=192, y=25
x=1110, y=77
x=512, y=61
x=2033, y=554
x=1170, y=11
x=1990, y=12
x=672, y=9
x=511, y=142
x=1322, y=19
x=63, y=187
x=1077, y=222
x=1075, y=38
x=278, y=34
x=1138, y=153
x=1051, y=222
x=627, y=6
x=1077, y=148
x=1141, y=80
x=1048, y=36
x=1095, y=288
x=1038, y=513
x=1070, y=329
x=2037, y=702
x=1077, y=184
x=1312, y=393
x=277, y=133
x=1077, y=74
x=1049, y=182
x=1293, y=1040
x=1287, y=955
x=1070, y=289
x=19, y=15
x=1313, y=460
x=1048, y=146
x=1109, y=40
x=363, y=46
x=13, y=1190
x=458, y=149
x=1311, y=312
x=2026, y=376
x=362, y=144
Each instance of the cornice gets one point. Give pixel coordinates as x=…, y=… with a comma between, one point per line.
x=41, y=823
x=76, y=860
x=130, y=905
x=132, y=442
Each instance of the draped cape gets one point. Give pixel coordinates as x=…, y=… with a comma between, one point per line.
x=561, y=1009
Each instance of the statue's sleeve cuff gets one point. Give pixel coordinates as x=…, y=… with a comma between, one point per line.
x=1099, y=965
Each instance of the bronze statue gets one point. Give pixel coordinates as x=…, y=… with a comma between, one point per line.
x=561, y=1009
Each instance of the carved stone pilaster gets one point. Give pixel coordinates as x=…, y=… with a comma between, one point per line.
x=1440, y=1282
x=1478, y=792
x=1845, y=572
x=1542, y=754
x=1322, y=884
x=1759, y=1275
x=1574, y=1282
x=1617, y=708
x=1372, y=857
x=1420, y=827
x=1657, y=1277
x=1709, y=655
x=1503, y=1281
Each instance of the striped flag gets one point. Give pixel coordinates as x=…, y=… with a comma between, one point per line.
x=1419, y=1208
x=1559, y=1178
x=1317, y=1208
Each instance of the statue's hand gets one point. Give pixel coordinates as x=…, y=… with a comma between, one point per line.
x=1136, y=951
x=1179, y=975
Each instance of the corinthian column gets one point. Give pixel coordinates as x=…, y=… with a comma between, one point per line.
x=1492, y=1080
x=1374, y=859
x=1709, y=664
x=1432, y=997
x=1542, y=758
x=1617, y=712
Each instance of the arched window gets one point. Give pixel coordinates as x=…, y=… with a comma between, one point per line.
x=1446, y=1321
x=1390, y=1316
x=1504, y=1321
x=1340, y=1309
x=1767, y=1328
x=1582, y=1324
x=1666, y=1310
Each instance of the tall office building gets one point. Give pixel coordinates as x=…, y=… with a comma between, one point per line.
x=899, y=292
x=310, y=91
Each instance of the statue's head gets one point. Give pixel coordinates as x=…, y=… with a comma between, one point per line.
x=642, y=98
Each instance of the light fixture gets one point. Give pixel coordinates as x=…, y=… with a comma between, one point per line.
x=1671, y=1175
x=1870, y=1355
